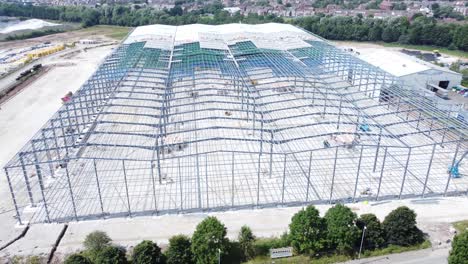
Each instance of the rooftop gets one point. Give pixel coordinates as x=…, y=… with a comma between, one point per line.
x=397, y=63
x=268, y=36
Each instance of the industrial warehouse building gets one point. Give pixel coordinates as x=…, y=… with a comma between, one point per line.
x=412, y=71
x=437, y=82
x=200, y=118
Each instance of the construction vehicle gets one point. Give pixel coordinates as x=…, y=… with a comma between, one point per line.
x=364, y=127
x=28, y=73
x=454, y=170
x=67, y=97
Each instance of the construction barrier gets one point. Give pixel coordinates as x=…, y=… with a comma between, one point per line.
x=44, y=52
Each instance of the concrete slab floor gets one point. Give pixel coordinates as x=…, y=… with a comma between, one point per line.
x=24, y=114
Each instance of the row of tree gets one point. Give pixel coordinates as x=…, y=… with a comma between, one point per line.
x=338, y=232
x=420, y=30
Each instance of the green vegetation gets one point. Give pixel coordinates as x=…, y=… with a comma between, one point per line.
x=27, y=260
x=400, y=227
x=114, y=32
x=209, y=241
x=342, y=232
x=111, y=255
x=94, y=243
x=351, y=4
x=77, y=259
x=420, y=30
x=457, y=53
x=179, y=250
x=456, y=68
x=33, y=34
x=374, y=236
x=308, y=231
x=330, y=239
x=459, y=252
x=461, y=226
x=262, y=246
x=246, y=243
x=393, y=249
x=328, y=259
x=147, y=252
x=445, y=11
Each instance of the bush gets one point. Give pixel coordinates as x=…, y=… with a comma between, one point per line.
x=262, y=246
x=342, y=232
x=400, y=227
x=96, y=241
x=234, y=254
x=208, y=240
x=459, y=252
x=179, y=250
x=77, y=259
x=111, y=255
x=374, y=236
x=147, y=252
x=246, y=241
x=307, y=231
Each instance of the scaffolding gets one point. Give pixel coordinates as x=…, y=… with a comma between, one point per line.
x=186, y=128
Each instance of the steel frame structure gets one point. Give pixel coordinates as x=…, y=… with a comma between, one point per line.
x=193, y=129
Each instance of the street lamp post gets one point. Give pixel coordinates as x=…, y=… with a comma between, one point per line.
x=362, y=240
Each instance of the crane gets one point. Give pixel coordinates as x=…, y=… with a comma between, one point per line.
x=453, y=170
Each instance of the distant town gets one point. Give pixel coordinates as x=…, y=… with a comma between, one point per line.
x=449, y=11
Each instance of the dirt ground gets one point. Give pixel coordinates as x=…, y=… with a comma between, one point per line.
x=99, y=33
x=366, y=45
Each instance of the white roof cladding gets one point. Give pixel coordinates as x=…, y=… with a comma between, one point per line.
x=268, y=36
x=397, y=63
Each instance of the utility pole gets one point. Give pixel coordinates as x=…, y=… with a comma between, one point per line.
x=362, y=241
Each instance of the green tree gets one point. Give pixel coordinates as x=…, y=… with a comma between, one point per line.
x=374, y=236
x=111, y=255
x=147, y=252
x=459, y=252
x=208, y=240
x=460, y=38
x=246, y=242
x=400, y=227
x=77, y=259
x=342, y=233
x=307, y=231
x=179, y=250
x=96, y=241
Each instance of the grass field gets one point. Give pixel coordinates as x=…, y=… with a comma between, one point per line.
x=340, y=258
x=461, y=225
x=115, y=32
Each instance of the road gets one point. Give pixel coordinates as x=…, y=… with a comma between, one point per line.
x=425, y=256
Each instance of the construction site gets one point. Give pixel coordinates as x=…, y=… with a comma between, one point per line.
x=196, y=118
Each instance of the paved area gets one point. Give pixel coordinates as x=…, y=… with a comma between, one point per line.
x=24, y=114
x=264, y=223
x=425, y=256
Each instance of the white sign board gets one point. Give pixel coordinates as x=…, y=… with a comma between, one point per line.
x=281, y=252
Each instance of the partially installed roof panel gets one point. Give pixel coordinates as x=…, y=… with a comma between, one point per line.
x=198, y=118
